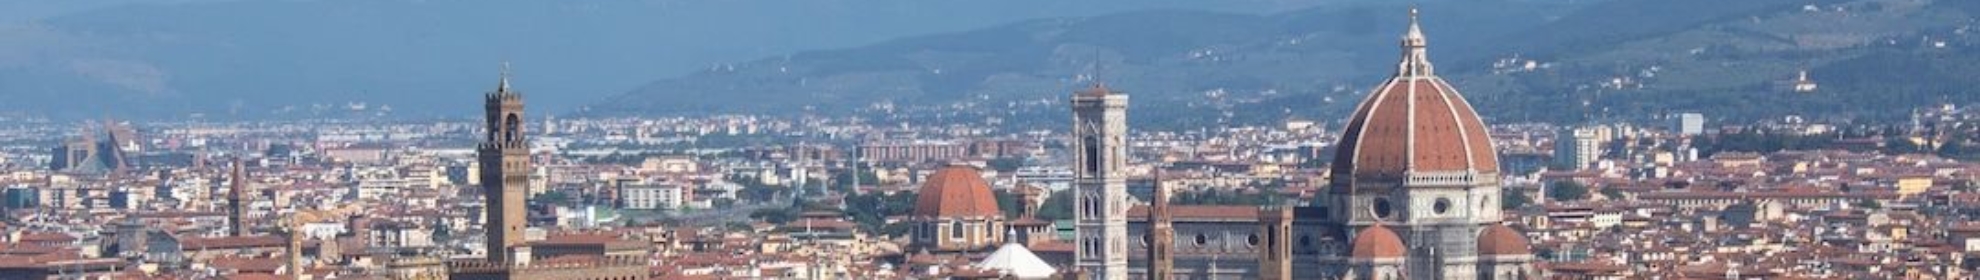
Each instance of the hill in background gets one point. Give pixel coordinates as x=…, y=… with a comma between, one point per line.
x=313, y=58
x=1624, y=58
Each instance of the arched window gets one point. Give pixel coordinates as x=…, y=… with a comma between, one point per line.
x=1092, y=206
x=1092, y=155
x=511, y=127
x=955, y=230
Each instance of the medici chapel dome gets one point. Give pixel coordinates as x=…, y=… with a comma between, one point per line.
x=954, y=192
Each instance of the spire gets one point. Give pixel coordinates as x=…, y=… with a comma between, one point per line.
x=504, y=87
x=1415, y=35
x=1416, y=58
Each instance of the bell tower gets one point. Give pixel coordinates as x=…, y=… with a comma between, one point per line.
x=504, y=158
x=1100, y=148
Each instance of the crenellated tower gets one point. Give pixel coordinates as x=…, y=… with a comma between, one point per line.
x=237, y=199
x=504, y=158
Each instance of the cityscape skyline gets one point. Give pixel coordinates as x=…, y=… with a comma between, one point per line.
x=1407, y=179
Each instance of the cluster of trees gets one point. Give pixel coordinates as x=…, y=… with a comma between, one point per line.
x=1512, y=200
x=755, y=190
x=1556, y=191
x=1956, y=145
x=871, y=210
x=1566, y=191
x=842, y=182
x=1058, y=206
x=1757, y=142
x=555, y=197
x=1006, y=164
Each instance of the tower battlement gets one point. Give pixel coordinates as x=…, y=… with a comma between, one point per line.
x=503, y=96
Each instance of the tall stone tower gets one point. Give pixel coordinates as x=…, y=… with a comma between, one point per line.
x=237, y=199
x=1275, y=258
x=504, y=159
x=1100, y=148
x=1161, y=234
x=1416, y=158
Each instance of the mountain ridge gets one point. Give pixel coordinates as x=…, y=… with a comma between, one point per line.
x=251, y=59
x=1286, y=65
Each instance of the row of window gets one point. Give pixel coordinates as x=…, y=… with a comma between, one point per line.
x=1201, y=240
x=956, y=229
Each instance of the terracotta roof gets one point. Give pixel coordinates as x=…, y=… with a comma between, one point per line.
x=956, y=191
x=1199, y=213
x=1502, y=240
x=1414, y=122
x=1054, y=247
x=247, y=265
x=1030, y=221
x=230, y=242
x=255, y=276
x=1377, y=242
x=46, y=237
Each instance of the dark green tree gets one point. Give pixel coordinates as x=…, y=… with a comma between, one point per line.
x=1057, y=207
x=1612, y=193
x=1006, y=164
x=556, y=197
x=843, y=181
x=1513, y=200
x=1008, y=202
x=1567, y=191
x=1871, y=204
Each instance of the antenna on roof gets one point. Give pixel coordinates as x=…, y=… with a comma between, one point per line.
x=505, y=78
x=1097, y=67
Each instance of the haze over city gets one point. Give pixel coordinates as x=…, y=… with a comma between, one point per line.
x=1025, y=139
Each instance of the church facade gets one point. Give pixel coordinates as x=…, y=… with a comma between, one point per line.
x=1413, y=195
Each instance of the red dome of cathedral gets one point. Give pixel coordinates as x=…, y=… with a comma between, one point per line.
x=1499, y=240
x=956, y=191
x=1377, y=242
x=1415, y=123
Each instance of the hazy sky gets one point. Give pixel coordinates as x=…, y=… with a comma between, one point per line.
x=189, y=55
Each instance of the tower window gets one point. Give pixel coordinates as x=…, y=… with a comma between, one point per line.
x=1272, y=238
x=956, y=230
x=510, y=127
x=1092, y=155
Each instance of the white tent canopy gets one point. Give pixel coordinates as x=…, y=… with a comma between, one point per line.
x=1014, y=260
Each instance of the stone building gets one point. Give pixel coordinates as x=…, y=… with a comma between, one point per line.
x=1415, y=164
x=1099, y=187
x=1413, y=195
x=955, y=212
x=504, y=153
